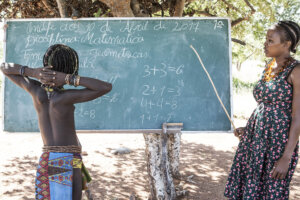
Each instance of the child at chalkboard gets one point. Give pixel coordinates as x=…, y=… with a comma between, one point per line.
x=60, y=170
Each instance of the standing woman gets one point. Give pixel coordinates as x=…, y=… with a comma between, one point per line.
x=267, y=153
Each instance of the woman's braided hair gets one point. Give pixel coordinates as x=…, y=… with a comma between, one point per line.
x=290, y=32
x=62, y=58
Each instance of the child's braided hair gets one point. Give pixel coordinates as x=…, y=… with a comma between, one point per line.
x=62, y=58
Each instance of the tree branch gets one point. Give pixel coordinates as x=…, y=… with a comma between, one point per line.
x=239, y=20
x=250, y=6
x=205, y=12
x=238, y=41
x=231, y=6
x=154, y=7
x=61, y=4
x=159, y=7
x=75, y=13
x=136, y=9
x=47, y=5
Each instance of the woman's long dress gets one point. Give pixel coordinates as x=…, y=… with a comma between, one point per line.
x=263, y=143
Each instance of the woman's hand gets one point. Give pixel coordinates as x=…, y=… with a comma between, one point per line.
x=281, y=168
x=239, y=132
x=52, y=78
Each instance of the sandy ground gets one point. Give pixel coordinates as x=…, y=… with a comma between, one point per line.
x=207, y=156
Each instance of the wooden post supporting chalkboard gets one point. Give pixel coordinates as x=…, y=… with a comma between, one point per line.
x=162, y=153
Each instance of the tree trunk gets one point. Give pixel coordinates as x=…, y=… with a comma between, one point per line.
x=178, y=9
x=61, y=4
x=162, y=153
x=119, y=8
x=174, y=153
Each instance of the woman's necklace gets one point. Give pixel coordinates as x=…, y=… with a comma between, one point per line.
x=50, y=89
x=270, y=74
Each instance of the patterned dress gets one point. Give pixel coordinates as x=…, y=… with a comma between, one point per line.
x=263, y=143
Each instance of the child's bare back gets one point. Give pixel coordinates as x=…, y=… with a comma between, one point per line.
x=55, y=108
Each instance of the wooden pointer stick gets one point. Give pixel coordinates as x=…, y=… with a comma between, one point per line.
x=213, y=86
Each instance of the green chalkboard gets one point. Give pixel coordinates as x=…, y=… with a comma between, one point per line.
x=155, y=74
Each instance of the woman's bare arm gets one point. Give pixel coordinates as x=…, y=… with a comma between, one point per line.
x=295, y=125
x=281, y=167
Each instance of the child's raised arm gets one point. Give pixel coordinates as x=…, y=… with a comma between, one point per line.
x=94, y=88
x=20, y=75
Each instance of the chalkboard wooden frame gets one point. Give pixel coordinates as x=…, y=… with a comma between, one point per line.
x=125, y=18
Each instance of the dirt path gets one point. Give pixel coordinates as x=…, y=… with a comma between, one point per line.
x=207, y=156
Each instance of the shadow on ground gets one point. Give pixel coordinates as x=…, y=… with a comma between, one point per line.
x=118, y=176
